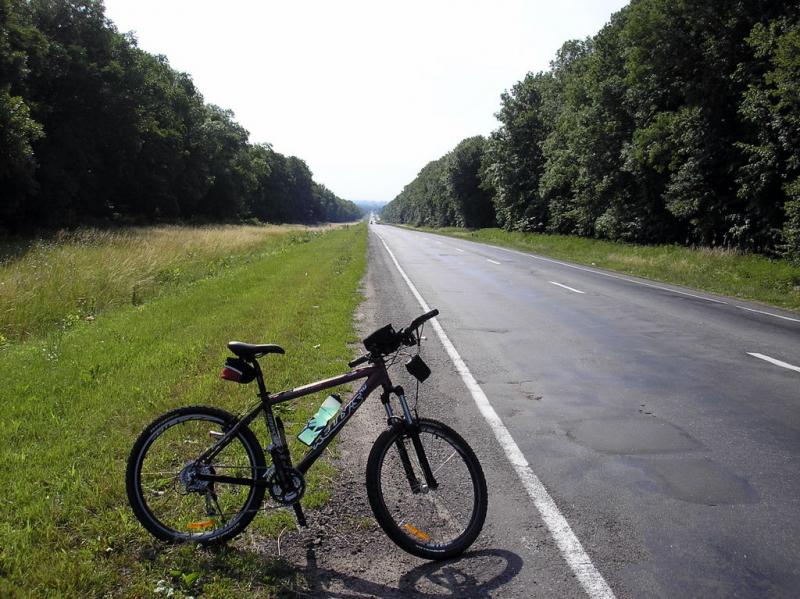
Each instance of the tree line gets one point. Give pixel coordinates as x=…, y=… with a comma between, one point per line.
x=93, y=129
x=679, y=122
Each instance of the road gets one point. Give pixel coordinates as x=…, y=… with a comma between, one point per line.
x=663, y=422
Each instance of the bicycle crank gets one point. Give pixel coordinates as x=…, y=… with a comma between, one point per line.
x=291, y=490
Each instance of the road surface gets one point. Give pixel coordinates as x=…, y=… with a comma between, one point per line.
x=663, y=422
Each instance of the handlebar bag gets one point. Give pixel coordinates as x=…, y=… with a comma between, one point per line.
x=383, y=341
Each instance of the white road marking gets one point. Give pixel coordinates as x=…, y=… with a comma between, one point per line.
x=613, y=276
x=459, y=250
x=768, y=313
x=565, y=287
x=492, y=261
x=607, y=274
x=774, y=361
x=569, y=545
x=440, y=243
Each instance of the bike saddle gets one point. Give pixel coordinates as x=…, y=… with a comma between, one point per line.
x=249, y=351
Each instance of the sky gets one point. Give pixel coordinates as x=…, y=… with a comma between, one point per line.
x=366, y=92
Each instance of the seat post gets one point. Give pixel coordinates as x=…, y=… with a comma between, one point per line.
x=262, y=388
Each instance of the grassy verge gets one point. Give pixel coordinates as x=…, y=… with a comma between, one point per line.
x=726, y=272
x=73, y=401
x=75, y=276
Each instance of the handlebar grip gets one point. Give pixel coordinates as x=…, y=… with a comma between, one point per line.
x=420, y=319
x=357, y=361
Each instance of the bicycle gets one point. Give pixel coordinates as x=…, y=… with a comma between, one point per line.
x=199, y=474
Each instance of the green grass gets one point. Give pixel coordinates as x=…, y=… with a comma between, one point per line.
x=746, y=276
x=74, y=399
x=77, y=275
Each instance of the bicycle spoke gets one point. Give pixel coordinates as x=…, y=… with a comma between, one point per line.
x=173, y=486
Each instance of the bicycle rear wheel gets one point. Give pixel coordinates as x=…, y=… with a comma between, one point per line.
x=431, y=523
x=163, y=490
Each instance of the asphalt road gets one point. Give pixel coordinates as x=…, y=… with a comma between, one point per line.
x=669, y=448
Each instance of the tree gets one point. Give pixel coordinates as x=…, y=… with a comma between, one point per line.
x=464, y=180
x=515, y=155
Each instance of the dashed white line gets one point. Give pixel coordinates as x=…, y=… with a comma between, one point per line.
x=569, y=545
x=626, y=279
x=566, y=287
x=459, y=250
x=774, y=361
x=609, y=275
x=768, y=314
x=492, y=261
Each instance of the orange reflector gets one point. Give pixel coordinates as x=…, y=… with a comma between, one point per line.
x=200, y=525
x=417, y=532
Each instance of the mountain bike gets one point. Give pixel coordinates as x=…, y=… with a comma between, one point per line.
x=199, y=474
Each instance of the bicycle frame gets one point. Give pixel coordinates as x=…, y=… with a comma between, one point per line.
x=376, y=376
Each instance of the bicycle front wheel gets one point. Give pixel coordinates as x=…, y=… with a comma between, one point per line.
x=162, y=481
x=432, y=523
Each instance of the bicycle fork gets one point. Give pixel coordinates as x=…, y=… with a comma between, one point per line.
x=411, y=429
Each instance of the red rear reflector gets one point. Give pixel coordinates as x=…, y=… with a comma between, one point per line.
x=231, y=374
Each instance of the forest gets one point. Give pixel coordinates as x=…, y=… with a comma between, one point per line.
x=678, y=122
x=94, y=130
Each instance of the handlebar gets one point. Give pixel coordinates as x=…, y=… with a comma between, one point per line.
x=407, y=334
x=417, y=322
x=386, y=340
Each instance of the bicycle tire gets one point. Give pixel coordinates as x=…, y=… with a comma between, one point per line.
x=243, y=449
x=408, y=518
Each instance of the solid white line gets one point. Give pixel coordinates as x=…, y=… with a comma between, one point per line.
x=768, y=313
x=565, y=287
x=774, y=361
x=569, y=545
x=492, y=261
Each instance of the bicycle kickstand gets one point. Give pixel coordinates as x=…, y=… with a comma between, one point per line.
x=298, y=512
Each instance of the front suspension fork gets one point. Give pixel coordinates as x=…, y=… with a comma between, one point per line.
x=411, y=430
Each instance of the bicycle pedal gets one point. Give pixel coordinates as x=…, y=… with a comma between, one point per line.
x=301, y=517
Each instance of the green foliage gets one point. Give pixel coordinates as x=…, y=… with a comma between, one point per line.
x=771, y=106
x=453, y=190
x=677, y=122
x=93, y=129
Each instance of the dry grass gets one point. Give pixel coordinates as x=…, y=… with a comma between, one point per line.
x=74, y=276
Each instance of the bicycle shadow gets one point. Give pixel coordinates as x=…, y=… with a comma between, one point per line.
x=475, y=575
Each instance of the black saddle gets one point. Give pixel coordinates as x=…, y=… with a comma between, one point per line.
x=250, y=351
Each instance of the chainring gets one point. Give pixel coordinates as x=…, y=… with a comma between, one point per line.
x=294, y=489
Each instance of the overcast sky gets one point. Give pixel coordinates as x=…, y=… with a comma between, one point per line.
x=366, y=92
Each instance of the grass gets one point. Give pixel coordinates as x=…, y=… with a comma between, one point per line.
x=74, y=399
x=75, y=276
x=727, y=272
